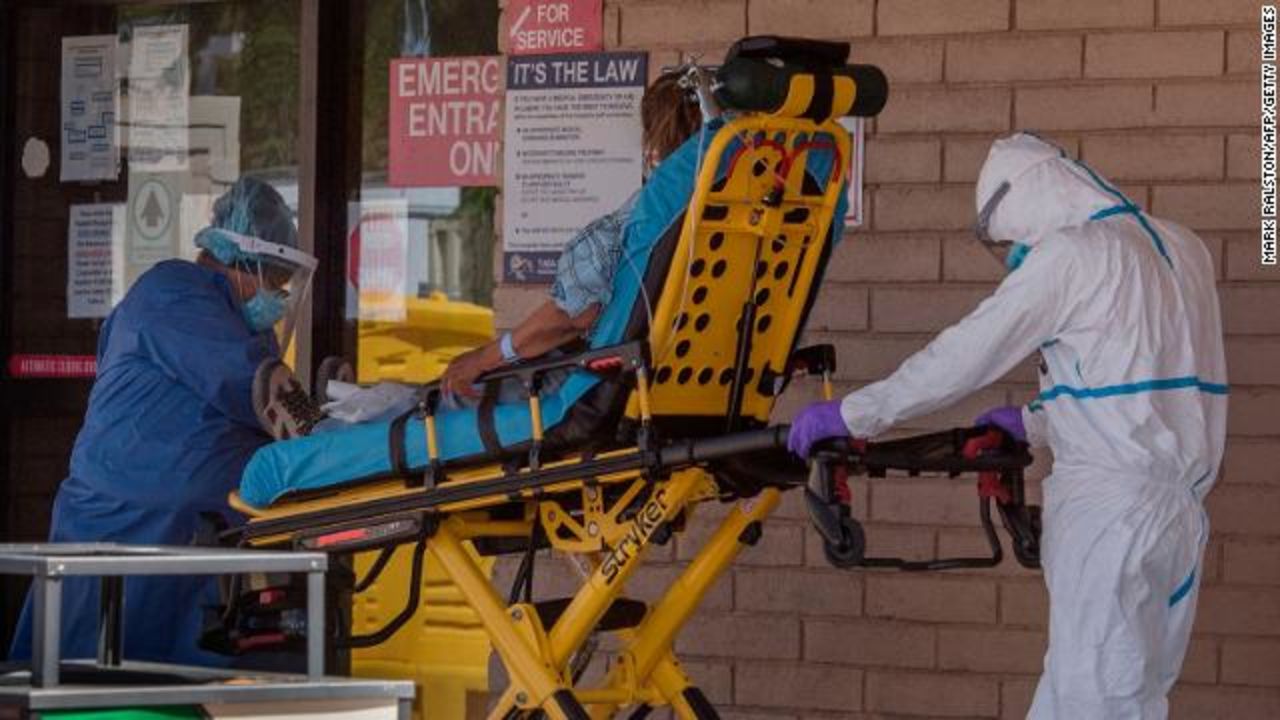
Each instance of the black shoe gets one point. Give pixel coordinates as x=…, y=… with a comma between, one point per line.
x=284, y=408
x=332, y=368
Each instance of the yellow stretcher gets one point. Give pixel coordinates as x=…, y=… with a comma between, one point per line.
x=698, y=392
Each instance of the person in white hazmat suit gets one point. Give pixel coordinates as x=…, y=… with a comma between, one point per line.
x=1133, y=403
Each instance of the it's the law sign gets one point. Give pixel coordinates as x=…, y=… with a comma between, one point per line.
x=540, y=27
x=443, y=122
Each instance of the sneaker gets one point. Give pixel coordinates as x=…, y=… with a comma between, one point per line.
x=284, y=408
x=332, y=368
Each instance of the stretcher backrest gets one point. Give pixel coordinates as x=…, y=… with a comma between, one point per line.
x=751, y=249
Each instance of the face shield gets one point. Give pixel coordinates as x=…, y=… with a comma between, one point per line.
x=999, y=248
x=284, y=278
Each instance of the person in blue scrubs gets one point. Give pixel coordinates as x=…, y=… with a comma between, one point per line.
x=170, y=423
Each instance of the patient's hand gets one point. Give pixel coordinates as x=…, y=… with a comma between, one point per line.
x=459, y=378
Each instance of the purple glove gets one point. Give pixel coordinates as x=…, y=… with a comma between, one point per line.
x=1007, y=418
x=819, y=421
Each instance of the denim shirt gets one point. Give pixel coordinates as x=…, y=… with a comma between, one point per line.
x=584, y=272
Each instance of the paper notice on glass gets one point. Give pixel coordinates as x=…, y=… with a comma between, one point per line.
x=94, y=235
x=857, y=130
x=379, y=244
x=572, y=151
x=159, y=87
x=89, y=97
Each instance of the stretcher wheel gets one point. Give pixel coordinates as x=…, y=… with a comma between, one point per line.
x=852, y=547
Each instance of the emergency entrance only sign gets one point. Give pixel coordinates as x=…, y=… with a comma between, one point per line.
x=443, y=123
x=553, y=26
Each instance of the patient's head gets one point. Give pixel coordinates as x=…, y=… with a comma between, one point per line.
x=669, y=114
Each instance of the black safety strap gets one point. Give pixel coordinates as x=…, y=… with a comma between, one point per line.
x=824, y=90
x=484, y=419
x=396, y=444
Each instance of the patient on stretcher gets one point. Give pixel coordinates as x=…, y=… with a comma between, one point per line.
x=600, y=283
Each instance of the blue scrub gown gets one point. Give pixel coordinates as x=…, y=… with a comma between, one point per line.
x=169, y=429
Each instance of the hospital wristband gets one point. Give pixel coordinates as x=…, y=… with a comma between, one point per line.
x=507, y=346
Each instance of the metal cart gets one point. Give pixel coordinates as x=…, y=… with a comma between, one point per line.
x=51, y=683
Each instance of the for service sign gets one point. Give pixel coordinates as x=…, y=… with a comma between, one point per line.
x=540, y=27
x=444, y=121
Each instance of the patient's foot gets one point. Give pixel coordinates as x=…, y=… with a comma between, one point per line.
x=333, y=367
x=283, y=407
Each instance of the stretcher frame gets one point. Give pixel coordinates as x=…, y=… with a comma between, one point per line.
x=612, y=506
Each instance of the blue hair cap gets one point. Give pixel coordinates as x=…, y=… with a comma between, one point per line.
x=251, y=207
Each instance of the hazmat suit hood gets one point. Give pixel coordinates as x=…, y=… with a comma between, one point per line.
x=1048, y=190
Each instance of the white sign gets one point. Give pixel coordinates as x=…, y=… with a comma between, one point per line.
x=89, y=95
x=94, y=236
x=152, y=219
x=159, y=86
x=572, y=151
x=857, y=128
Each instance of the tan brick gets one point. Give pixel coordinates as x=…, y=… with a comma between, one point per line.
x=903, y=60
x=1245, y=510
x=1211, y=103
x=1247, y=310
x=1243, y=253
x=932, y=599
x=795, y=686
x=1153, y=54
x=1252, y=411
x=932, y=694
x=811, y=18
x=1003, y=651
x=782, y=544
x=1251, y=562
x=1251, y=462
x=1208, y=12
x=1253, y=361
x=869, y=642
x=1015, y=698
x=965, y=259
x=651, y=582
x=1004, y=59
x=734, y=713
x=741, y=636
x=962, y=158
x=960, y=414
x=1222, y=206
x=1198, y=702
x=1243, y=157
x=1084, y=107
x=715, y=679
x=806, y=592
x=885, y=258
x=666, y=24
x=511, y=303
x=1201, y=662
x=924, y=501
x=1243, y=52
x=904, y=541
x=1058, y=15
x=839, y=308
x=1144, y=156
x=871, y=357
x=932, y=110
x=1024, y=604
x=1239, y=611
x=922, y=310
x=1251, y=662
x=897, y=159
x=659, y=59
x=924, y=207
x=936, y=17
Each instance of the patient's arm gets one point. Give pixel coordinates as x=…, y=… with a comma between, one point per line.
x=545, y=329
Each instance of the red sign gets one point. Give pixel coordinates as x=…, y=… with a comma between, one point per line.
x=444, y=121
x=52, y=366
x=539, y=27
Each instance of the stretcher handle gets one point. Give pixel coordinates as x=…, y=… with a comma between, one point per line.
x=624, y=357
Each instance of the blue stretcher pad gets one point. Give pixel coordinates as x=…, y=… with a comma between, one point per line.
x=361, y=451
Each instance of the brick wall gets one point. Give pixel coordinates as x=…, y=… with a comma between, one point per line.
x=1161, y=95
